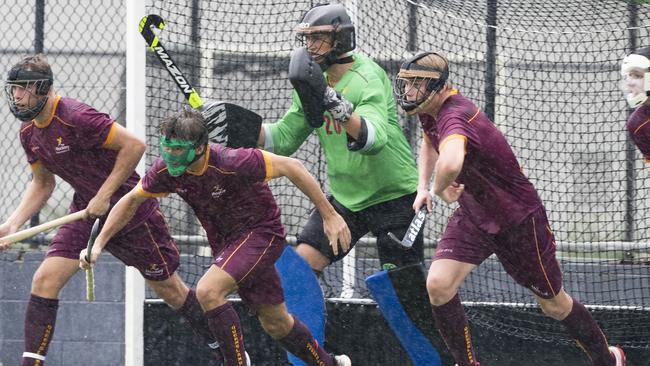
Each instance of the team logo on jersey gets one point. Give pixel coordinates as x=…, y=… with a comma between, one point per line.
x=61, y=147
x=217, y=191
x=153, y=270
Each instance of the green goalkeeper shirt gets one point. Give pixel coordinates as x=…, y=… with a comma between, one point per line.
x=381, y=170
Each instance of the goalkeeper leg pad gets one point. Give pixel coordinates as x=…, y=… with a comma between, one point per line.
x=303, y=295
x=402, y=298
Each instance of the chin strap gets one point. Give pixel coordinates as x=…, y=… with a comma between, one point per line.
x=330, y=60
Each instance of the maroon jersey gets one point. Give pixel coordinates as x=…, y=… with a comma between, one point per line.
x=70, y=144
x=497, y=194
x=229, y=194
x=638, y=125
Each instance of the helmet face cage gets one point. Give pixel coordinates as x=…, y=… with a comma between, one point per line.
x=425, y=80
x=25, y=102
x=21, y=84
x=304, y=39
x=423, y=87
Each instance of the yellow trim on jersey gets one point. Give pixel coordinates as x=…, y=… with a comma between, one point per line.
x=453, y=137
x=641, y=125
x=35, y=165
x=27, y=127
x=51, y=116
x=647, y=160
x=141, y=192
x=474, y=116
x=205, y=163
x=268, y=165
x=111, y=134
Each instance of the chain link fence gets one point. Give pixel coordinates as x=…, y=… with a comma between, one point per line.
x=85, y=44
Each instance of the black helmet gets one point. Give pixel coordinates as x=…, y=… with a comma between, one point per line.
x=22, y=76
x=334, y=19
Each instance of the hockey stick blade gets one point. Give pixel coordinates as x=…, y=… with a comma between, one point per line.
x=231, y=124
x=146, y=30
x=413, y=229
x=90, y=277
x=91, y=240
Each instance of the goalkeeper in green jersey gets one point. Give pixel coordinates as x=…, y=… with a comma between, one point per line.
x=372, y=174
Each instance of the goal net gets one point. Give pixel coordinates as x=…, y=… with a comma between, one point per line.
x=546, y=72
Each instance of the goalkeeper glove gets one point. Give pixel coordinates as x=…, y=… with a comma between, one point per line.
x=340, y=108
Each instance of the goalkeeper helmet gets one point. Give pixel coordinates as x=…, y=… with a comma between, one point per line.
x=27, y=86
x=635, y=70
x=329, y=23
x=419, y=79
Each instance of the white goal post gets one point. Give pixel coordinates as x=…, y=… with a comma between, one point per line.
x=135, y=122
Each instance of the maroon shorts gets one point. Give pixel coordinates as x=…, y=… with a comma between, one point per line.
x=250, y=260
x=148, y=247
x=526, y=251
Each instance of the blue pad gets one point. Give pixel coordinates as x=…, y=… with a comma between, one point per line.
x=303, y=295
x=412, y=292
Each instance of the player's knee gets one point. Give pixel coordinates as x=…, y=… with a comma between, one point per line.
x=557, y=308
x=43, y=285
x=210, y=296
x=276, y=325
x=440, y=290
x=316, y=260
x=172, y=292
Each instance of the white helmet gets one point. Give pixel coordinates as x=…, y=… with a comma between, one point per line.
x=635, y=70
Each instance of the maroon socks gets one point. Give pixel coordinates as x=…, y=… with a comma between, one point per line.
x=39, y=329
x=193, y=313
x=225, y=327
x=453, y=326
x=302, y=344
x=583, y=328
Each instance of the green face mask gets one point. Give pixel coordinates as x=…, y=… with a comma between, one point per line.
x=177, y=154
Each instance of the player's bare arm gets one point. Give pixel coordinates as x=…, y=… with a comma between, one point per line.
x=130, y=150
x=119, y=216
x=335, y=227
x=37, y=193
x=447, y=169
x=427, y=160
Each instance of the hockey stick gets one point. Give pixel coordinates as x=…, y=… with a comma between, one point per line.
x=413, y=230
x=227, y=123
x=146, y=24
x=27, y=233
x=90, y=274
